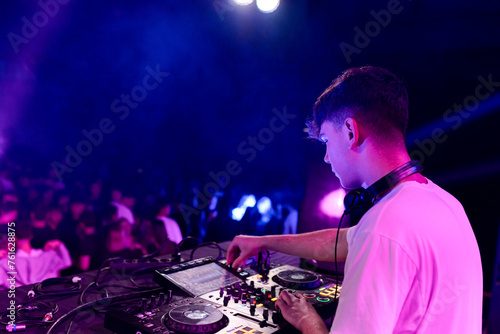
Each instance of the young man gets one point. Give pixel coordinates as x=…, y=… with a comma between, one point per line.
x=412, y=261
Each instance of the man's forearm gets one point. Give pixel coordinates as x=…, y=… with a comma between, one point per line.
x=318, y=245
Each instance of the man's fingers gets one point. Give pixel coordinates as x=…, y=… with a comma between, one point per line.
x=239, y=262
x=280, y=305
x=286, y=297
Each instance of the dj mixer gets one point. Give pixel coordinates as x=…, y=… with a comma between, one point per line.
x=221, y=300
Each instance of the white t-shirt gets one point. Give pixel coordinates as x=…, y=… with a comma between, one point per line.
x=123, y=211
x=413, y=266
x=172, y=228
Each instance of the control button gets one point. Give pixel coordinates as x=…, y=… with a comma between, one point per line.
x=323, y=299
x=252, y=309
x=226, y=300
x=265, y=314
x=309, y=295
x=221, y=291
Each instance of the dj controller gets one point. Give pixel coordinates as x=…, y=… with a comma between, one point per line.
x=221, y=300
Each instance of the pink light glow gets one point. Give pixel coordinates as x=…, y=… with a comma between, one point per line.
x=332, y=204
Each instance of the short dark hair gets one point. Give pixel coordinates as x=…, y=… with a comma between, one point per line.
x=373, y=96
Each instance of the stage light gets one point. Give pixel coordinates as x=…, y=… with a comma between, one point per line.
x=246, y=201
x=249, y=201
x=268, y=6
x=264, y=205
x=242, y=2
x=238, y=213
x=332, y=204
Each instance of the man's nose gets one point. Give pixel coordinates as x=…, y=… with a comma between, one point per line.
x=327, y=158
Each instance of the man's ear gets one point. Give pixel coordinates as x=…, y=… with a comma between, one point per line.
x=351, y=130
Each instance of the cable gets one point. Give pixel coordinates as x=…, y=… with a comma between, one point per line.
x=336, y=303
x=33, y=313
x=143, y=271
x=45, y=288
x=207, y=244
x=176, y=255
x=108, y=301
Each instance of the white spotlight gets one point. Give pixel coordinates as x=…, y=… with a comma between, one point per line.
x=268, y=6
x=242, y=2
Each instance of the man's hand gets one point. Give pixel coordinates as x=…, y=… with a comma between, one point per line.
x=242, y=248
x=300, y=313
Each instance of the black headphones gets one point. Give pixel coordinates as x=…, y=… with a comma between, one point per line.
x=360, y=200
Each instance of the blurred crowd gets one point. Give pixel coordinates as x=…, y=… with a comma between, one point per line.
x=63, y=229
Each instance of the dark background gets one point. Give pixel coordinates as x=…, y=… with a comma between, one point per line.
x=229, y=67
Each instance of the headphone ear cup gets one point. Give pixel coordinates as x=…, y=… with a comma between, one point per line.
x=356, y=203
x=352, y=200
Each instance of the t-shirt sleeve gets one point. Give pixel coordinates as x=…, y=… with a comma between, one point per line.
x=379, y=278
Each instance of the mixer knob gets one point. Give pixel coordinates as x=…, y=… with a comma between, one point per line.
x=277, y=317
x=236, y=298
x=252, y=309
x=237, y=285
x=252, y=284
x=169, y=297
x=161, y=298
x=153, y=301
x=265, y=314
x=144, y=302
x=273, y=291
x=221, y=291
x=226, y=300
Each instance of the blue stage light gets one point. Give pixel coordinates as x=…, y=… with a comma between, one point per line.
x=268, y=6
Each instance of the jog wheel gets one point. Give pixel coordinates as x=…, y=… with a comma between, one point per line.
x=297, y=279
x=195, y=319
